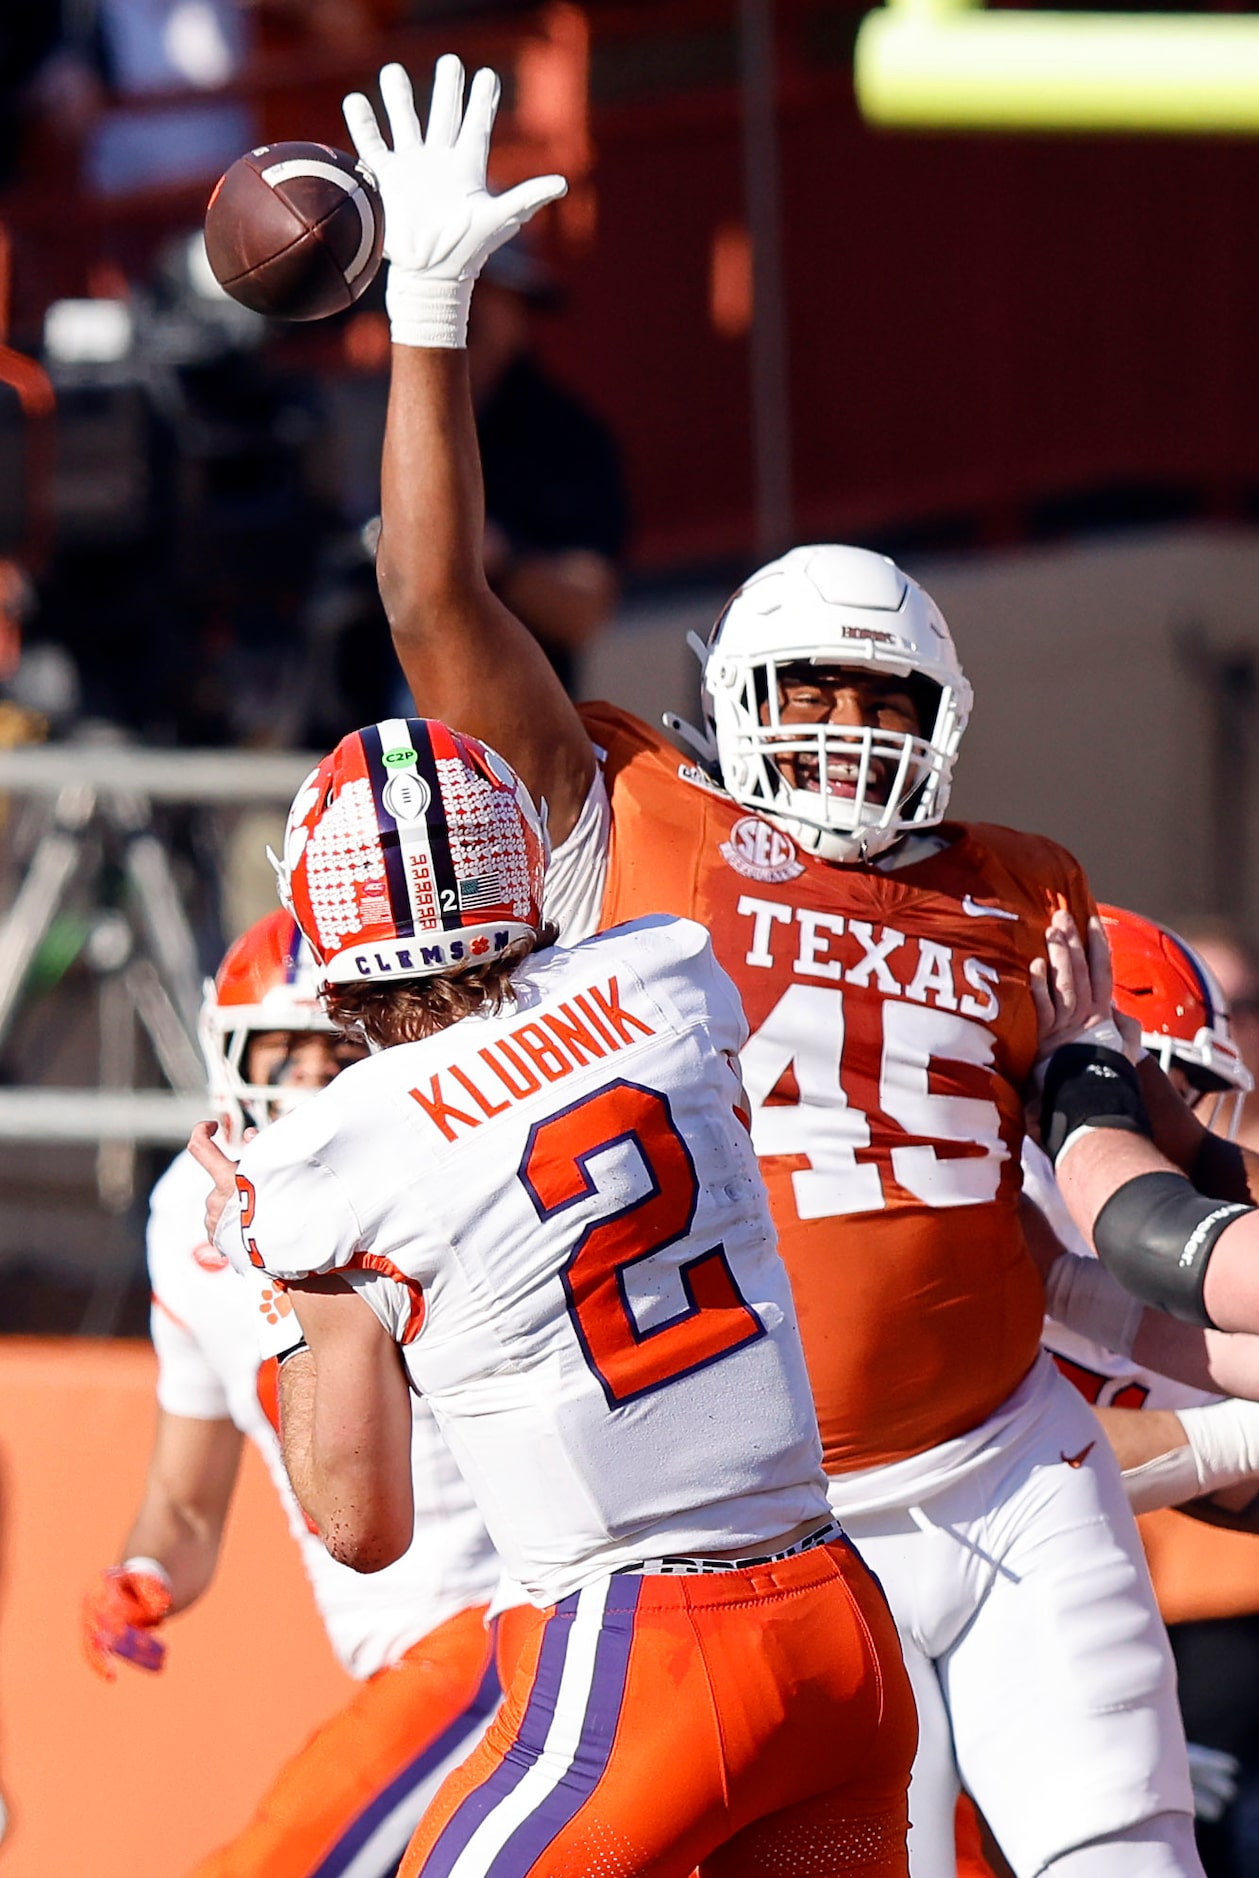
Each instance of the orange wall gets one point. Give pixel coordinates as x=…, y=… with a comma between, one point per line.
x=137, y=1779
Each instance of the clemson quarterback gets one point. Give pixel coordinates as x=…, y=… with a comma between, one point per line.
x=537, y=1205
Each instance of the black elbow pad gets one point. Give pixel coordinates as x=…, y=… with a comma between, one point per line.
x=1089, y=1086
x=1156, y=1235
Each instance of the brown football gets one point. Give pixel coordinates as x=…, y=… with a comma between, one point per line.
x=295, y=230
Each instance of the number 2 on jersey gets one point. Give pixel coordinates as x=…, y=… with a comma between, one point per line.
x=557, y=1172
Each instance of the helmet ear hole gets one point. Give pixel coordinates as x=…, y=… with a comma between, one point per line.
x=926, y=696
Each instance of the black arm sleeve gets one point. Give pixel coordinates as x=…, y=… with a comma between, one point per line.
x=1089, y=1086
x=1156, y=1235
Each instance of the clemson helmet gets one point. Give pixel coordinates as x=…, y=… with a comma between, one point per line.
x=412, y=849
x=833, y=606
x=267, y=981
x=1175, y=997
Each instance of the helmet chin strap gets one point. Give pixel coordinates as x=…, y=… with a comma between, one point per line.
x=832, y=844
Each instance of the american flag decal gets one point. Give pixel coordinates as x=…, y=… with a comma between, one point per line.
x=485, y=890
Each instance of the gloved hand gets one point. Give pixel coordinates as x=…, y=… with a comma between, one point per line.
x=1213, y=1777
x=120, y=1614
x=441, y=222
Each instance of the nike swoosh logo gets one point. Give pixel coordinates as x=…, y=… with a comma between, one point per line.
x=1077, y=1460
x=977, y=911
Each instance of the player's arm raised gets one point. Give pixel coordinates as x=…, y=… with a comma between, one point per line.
x=467, y=659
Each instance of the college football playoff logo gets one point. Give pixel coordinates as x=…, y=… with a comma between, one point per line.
x=760, y=852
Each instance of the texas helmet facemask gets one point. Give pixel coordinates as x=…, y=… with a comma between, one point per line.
x=833, y=607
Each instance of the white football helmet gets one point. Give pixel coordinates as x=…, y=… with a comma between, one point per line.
x=834, y=606
x=267, y=982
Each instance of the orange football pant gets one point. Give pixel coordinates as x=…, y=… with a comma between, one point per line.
x=971, y=1862
x=353, y=1794
x=753, y=1724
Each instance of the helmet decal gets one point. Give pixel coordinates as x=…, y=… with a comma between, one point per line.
x=413, y=849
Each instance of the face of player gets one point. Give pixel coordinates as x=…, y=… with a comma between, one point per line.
x=851, y=700
x=299, y=1059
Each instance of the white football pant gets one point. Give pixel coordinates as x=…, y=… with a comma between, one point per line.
x=1039, y=1661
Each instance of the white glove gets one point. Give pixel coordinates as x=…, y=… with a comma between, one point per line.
x=441, y=222
x=1224, y=1439
x=1222, y=1451
x=1213, y=1777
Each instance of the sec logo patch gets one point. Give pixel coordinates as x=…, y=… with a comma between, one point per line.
x=760, y=852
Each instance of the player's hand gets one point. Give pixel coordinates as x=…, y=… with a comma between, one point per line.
x=1072, y=987
x=441, y=222
x=1213, y=1777
x=120, y=1614
x=206, y=1152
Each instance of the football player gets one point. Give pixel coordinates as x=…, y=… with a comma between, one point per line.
x=882, y=956
x=1185, y=1247
x=1178, y=1445
x=414, y=1636
x=1175, y=1443
x=537, y=1204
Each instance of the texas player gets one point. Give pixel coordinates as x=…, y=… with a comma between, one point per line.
x=883, y=959
x=414, y=1636
x=540, y=1191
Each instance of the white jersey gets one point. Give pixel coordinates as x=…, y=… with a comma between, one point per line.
x=1104, y=1377
x=557, y=1213
x=205, y=1332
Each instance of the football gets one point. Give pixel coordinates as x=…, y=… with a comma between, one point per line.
x=295, y=230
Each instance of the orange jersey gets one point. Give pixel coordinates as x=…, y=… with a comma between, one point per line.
x=892, y=1031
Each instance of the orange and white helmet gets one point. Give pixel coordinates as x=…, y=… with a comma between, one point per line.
x=1172, y=993
x=267, y=981
x=411, y=850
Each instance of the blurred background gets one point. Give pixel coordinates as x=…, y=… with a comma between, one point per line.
x=1025, y=365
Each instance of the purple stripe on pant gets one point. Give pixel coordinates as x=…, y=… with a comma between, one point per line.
x=598, y=1730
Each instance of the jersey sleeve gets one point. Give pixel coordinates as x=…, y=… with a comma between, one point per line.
x=187, y=1382
x=674, y=960
x=578, y=869
x=291, y=1216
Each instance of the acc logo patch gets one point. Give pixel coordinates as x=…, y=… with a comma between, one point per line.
x=760, y=852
